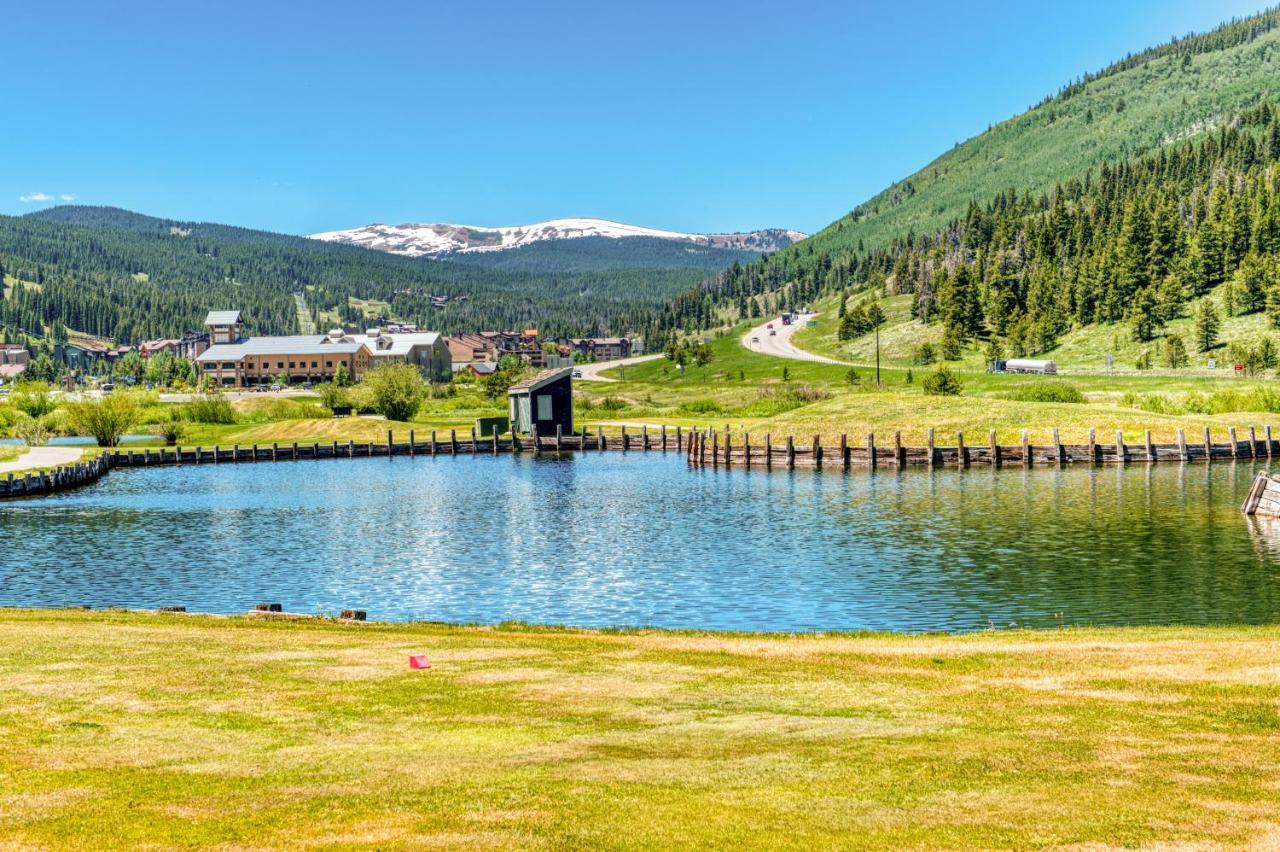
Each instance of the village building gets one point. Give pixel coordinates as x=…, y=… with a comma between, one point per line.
x=155, y=347
x=266, y=360
x=602, y=348
x=543, y=402
x=14, y=359
x=191, y=344
x=426, y=350
x=468, y=349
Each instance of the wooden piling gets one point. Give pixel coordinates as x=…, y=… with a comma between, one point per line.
x=1253, y=443
x=899, y=454
x=626, y=441
x=432, y=452
x=1093, y=450
x=727, y=456
x=817, y=451
x=1057, y=447
x=1182, y=445
x=1208, y=446
x=746, y=449
x=1026, y=450
x=1267, y=434
x=844, y=450
x=962, y=454
x=871, y=450
x=1151, y=448
x=453, y=442
x=1235, y=447
x=664, y=437
x=715, y=448
x=768, y=450
x=931, y=449
x=791, y=453
x=412, y=444
x=679, y=438
x=559, y=436
x=995, y=448
x=1121, y=456
x=644, y=436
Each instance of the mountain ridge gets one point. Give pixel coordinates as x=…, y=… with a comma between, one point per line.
x=439, y=239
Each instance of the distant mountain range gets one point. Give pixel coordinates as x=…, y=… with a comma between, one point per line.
x=441, y=240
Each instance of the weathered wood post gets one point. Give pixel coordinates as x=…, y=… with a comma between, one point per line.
x=768, y=450
x=930, y=448
x=600, y=444
x=1121, y=455
x=351, y=449
x=493, y=434
x=791, y=452
x=664, y=437
x=1093, y=450
x=432, y=451
x=715, y=448
x=413, y=447
x=559, y=436
x=294, y=458
x=644, y=436
x=1057, y=447
x=1026, y=450
x=453, y=442
x=475, y=446
x=679, y=438
x=626, y=442
x=1208, y=446
x=1267, y=434
x=728, y=459
x=275, y=452
x=871, y=450
x=1182, y=445
x=962, y=454
x=1235, y=447
x=333, y=453
x=817, y=451
x=315, y=450
x=389, y=447
x=1151, y=448
x=1253, y=443
x=844, y=450
x=995, y=448
x=899, y=454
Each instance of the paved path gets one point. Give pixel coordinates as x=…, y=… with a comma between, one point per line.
x=42, y=457
x=591, y=372
x=779, y=345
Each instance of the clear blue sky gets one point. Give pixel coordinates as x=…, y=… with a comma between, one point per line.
x=698, y=116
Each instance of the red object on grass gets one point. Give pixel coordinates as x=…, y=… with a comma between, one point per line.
x=419, y=661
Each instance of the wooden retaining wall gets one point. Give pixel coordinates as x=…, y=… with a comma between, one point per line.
x=1263, y=498
x=436, y=445
x=718, y=449
x=58, y=479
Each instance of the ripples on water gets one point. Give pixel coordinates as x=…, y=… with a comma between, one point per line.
x=640, y=539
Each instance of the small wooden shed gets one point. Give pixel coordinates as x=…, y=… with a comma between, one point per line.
x=545, y=402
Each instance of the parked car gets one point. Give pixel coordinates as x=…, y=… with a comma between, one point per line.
x=755, y=340
x=108, y=387
x=275, y=387
x=773, y=332
x=577, y=374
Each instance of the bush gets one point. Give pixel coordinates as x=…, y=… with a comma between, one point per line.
x=105, y=420
x=612, y=403
x=332, y=395
x=34, y=432
x=395, y=391
x=700, y=406
x=172, y=426
x=1047, y=391
x=209, y=409
x=33, y=399
x=941, y=382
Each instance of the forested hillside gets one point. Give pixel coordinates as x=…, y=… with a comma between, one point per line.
x=129, y=277
x=1029, y=214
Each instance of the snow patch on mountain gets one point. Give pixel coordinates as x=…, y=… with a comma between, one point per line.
x=435, y=239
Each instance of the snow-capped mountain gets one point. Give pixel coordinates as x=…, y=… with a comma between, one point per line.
x=435, y=240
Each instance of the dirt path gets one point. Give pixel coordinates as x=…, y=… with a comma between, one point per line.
x=42, y=457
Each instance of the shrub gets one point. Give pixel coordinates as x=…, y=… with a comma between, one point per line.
x=105, y=420
x=941, y=382
x=332, y=395
x=172, y=426
x=34, y=432
x=395, y=391
x=209, y=409
x=1047, y=391
x=612, y=403
x=701, y=406
x=33, y=399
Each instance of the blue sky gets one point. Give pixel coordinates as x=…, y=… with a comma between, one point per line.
x=697, y=116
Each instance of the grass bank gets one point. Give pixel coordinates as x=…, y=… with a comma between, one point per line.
x=125, y=729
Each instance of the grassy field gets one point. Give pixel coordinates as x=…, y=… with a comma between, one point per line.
x=130, y=730
x=9, y=453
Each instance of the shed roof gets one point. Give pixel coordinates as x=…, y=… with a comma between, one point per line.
x=222, y=318
x=542, y=379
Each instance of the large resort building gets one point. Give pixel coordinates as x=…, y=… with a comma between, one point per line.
x=237, y=361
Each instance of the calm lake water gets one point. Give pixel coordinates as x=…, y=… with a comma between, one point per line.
x=640, y=539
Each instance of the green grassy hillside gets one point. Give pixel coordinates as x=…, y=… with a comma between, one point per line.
x=1158, y=97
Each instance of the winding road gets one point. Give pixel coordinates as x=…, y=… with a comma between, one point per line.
x=591, y=372
x=779, y=345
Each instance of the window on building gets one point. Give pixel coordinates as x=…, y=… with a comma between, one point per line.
x=290, y=365
x=279, y=365
x=544, y=407
x=328, y=363
x=228, y=365
x=314, y=365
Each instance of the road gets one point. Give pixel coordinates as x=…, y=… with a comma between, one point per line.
x=779, y=345
x=591, y=372
x=42, y=457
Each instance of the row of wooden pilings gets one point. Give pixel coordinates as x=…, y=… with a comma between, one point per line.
x=35, y=484
x=714, y=448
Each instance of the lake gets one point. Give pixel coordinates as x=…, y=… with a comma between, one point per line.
x=630, y=539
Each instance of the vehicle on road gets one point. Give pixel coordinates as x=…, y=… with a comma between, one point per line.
x=577, y=374
x=755, y=340
x=773, y=332
x=786, y=319
x=770, y=325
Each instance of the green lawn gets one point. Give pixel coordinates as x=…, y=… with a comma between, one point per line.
x=126, y=730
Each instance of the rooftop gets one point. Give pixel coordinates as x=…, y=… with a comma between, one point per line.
x=222, y=318
x=546, y=377
x=298, y=344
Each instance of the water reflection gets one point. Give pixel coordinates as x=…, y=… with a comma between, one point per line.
x=639, y=539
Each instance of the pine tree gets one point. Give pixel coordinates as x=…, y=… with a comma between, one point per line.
x=1205, y=330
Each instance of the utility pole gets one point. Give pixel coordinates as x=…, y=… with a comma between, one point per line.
x=877, y=356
